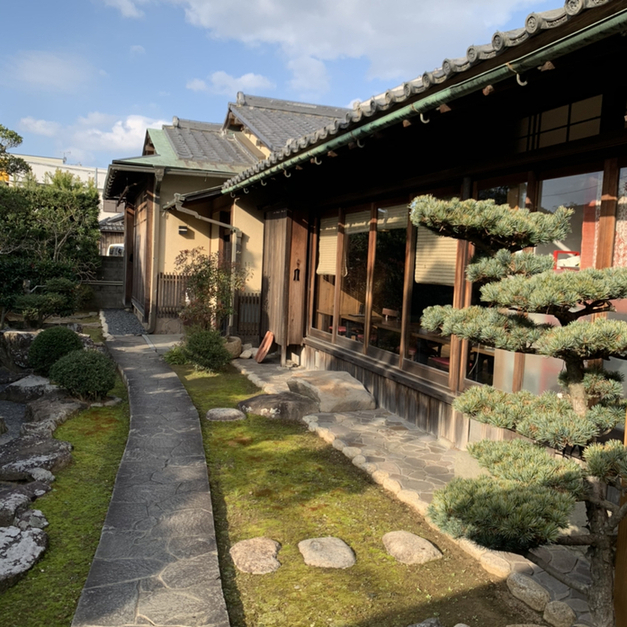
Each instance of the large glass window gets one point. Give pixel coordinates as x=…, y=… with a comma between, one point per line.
x=582, y=193
x=325, y=275
x=433, y=284
x=388, y=278
x=354, y=275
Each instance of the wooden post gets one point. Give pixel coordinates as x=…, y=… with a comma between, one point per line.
x=620, y=570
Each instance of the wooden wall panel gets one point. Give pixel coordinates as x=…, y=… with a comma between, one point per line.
x=273, y=275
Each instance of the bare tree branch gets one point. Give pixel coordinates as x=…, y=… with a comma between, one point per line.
x=557, y=574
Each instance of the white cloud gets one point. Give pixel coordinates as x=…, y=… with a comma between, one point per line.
x=137, y=50
x=47, y=71
x=40, y=127
x=128, y=8
x=309, y=76
x=222, y=83
x=399, y=38
x=125, y=136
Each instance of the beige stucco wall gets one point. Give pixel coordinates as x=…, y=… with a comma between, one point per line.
x=198, y=231
x=249, y=220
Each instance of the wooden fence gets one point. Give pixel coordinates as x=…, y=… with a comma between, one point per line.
x=170, y=294
x=171, y=300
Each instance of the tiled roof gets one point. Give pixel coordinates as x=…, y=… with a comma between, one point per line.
x=203, y=142
x=276, y=122
x=410, y=90
x=113, y=223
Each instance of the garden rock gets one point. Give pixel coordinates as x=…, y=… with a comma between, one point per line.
x=430, y=622
x=14, y=347
x=234, y=346
x=333, y=391
x=19, y=551
x=528, y=591
x=28, y=389
x=409, y=548
x=12, y=502
x=21, y=458
x=31, y=519
x=57, y=410
x=257, y=556
x=559, y=614
x=225, y=414
x=327, y=552
x=3, y=426
x=286, y=405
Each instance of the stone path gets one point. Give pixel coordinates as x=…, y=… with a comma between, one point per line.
x=412, y=464
x=157, y=561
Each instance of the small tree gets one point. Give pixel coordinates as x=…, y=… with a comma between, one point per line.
x=211, y=286
x=10, y=164
x=527, y=500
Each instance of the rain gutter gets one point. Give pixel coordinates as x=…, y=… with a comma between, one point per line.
x=590, y=34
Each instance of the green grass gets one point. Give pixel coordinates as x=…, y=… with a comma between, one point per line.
x=275, y=479
x=75, y=508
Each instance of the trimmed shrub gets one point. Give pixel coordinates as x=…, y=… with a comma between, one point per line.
x=206, y=350
x=66, y=289
x=88, y=375
x=49, y=346
x=176, y=356
x=37, y=307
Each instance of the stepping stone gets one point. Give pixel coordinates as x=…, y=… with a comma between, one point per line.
x=409, y=548
x=333, y=391
x=225, y=414
x=559, y=614
x=19, y=551
x=285, y=405
x=257, y=556
x=327, y=552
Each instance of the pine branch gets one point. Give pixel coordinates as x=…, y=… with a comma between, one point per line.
x=618, y=517
x=557, y=574
x=609, y=506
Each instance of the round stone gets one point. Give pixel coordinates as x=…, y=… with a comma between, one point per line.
x=528, y=591
x=327, y=552
x=224, y=414
x=257, y=556
x=409, y=548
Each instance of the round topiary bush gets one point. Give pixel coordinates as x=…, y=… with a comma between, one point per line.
x=88, y=375
x=49, y=346
x=206, y=350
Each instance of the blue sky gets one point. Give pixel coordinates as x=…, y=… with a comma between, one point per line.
x=84, y=78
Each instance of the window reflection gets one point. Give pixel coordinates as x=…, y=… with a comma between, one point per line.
x=388, y=278
x=325, y=275
x=354, y=275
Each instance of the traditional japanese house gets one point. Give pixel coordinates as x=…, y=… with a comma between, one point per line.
x=536, y=119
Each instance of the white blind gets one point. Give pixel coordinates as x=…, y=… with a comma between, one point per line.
x=392, y=218
x=327, y=246
x=358, y=222
x=436, y=257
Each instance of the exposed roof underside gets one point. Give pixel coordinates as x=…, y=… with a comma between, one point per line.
x=418, y=88
x=277, y=122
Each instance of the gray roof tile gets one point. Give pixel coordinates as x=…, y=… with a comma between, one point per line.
x=276, y=122
x=203, y=142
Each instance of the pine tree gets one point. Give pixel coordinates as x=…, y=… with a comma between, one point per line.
x=531, y=491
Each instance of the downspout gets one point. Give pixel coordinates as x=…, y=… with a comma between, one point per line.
x=236, y=234
x=156, y=231
x=588, y=35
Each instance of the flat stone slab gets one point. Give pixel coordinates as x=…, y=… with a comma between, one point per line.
x=334, y=391
x=225, y=414
x=23, y=455
x=28, y=389
x=328, y=552
x=257, y=556
x=409, y=548
x=559, y=614
x=285, y=405
x=19, y=551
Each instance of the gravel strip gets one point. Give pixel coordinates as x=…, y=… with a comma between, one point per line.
x=122, y=322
